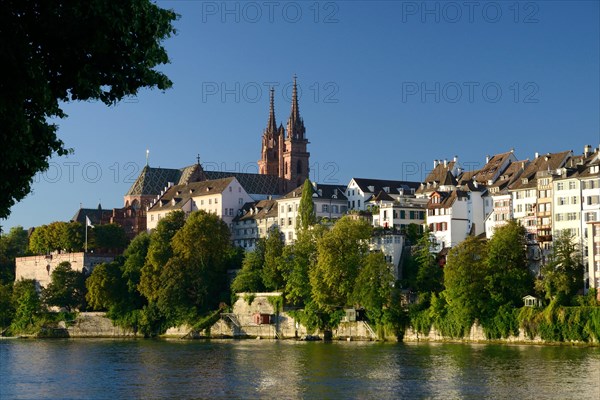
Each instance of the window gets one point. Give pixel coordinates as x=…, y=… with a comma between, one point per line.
x=358, y=202
x=572, y=185
x=412, y=215
x=325, y=208
x=216, y=200
x=230, y=189
x=241, y=201
x=299, y=167
x=290, y=221
x=290, y=236
x=402, y=214
x=574, y=200
x=289, y=208
x=334, y=209
x=201, y=202
x=560, y=186
x=151, y=217
x=562, y=201
x=281, y=221
x=209, y=201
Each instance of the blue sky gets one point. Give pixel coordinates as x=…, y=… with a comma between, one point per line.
x=386, y=88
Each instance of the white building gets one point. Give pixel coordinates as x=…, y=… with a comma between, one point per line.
x=253, y=222
x=397, y=214
x=593, y=265
x=360, y=190
x=329, y=202
x=502, y=203
x=223, y=197
x=391, y=245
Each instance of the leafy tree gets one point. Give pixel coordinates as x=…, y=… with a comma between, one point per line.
x=66, y=289
x=194, y=279
x=113, y=51
x=57, y=236
x=7, y=310
x=27, y=304
x=413, y=233
x=106, y=287
x=306, y=209
x=508, y=277
x=272, y=269
x=340, y=254
x=159, y=253
x=250, y=277
x=109, y=237
x=135, y=258
x=14, y=244
x=430, y=275
x=465, y=278
x=300, y=258
x=374, y=285
x=562, y=277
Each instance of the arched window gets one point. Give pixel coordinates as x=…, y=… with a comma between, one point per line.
x=286, y=168
x=299, y=167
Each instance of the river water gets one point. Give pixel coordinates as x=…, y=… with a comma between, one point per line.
x=176, y=369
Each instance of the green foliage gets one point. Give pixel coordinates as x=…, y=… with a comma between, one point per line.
x=159, y=253
x=27, y=305
x=66, y=289
x=7, y=310
x=13, y=244
x=414, y=233
x=508, y=278
x=465, y=275
x=113, y=51
x=272, y=270
x=429, y=274
x=300, y=258
x=276, y=302
x=106, y=286
x=340, y=255
x=306, y=209
x=373, y=286
x=69, y=236
x=250, y=279
x=192, y=281
x=557, y=323
x=562, y=277
x=110, y=237
x=249, y=298
x=503, y=324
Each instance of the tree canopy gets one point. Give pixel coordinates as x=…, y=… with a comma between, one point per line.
x=57, y=51
x=306, y=209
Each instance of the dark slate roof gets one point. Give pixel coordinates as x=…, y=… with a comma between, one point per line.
x=257, y=210
x=379, y=184
x=97, y=216
x=178, y=195
x=326, y=192
x=152, y=180
x=252, y=183
x=381, y=196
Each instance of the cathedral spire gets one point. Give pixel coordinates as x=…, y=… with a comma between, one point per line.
x=295, y=125
x=295, y=109
x=272, y=125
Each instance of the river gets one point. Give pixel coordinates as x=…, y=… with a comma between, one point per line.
x=176, y=369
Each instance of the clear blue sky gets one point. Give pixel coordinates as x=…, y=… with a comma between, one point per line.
x=386, y=88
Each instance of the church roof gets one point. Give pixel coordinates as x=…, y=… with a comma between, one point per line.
x=152, y=180
x=252, y=183
x=97, y=216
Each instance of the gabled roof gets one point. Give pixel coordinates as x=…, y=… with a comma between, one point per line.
x=179, y=195
x=447, y=198
x=97, y=216
x=511, y=174
x=381, y=196
x=439, y=173
x=322, y=191
x=152, y=180
x=492, y=168
x=252, y=183
x=548, y=162
x=258, y=210
x=378, y=185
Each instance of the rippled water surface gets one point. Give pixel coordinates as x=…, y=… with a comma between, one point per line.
x=151, y=369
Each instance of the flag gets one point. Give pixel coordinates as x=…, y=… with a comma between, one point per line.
x=88, y=222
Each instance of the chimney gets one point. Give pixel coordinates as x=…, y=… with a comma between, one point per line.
x=537, y=154
x=587, y=149
x=435, y=163
x=455, y=159
x=445, y=162
x=487, y=158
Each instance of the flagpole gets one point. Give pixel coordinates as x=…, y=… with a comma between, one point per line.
x=86, y=226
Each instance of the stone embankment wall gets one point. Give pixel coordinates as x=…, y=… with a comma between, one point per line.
x=476, y=334
x=95, y=324
x=358, y=330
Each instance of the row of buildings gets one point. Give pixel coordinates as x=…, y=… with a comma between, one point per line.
x=547, y=194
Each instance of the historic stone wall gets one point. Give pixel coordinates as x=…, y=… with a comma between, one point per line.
x=96, y=324
x=40, y=267
x=476, y=334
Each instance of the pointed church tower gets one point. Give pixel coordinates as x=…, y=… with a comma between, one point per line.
x=295, y=157
x=269, y=160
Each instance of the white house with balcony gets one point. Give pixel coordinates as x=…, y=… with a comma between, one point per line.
x=397, y=214
x=360, y=190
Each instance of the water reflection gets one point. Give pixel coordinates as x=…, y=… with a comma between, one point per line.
x=105, y=369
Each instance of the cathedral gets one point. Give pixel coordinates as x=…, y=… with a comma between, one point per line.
x=283, y=166
x=284, y=150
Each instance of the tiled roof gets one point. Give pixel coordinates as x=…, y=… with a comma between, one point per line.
x=490, y=169
x=152, y=181
x=326, y=192
x=379, y=185
x=548, y=162
x=447, y=198
x=512, y=172
x=258, y=210
x=97, y=216
x=178, y=195
x=252, y=183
